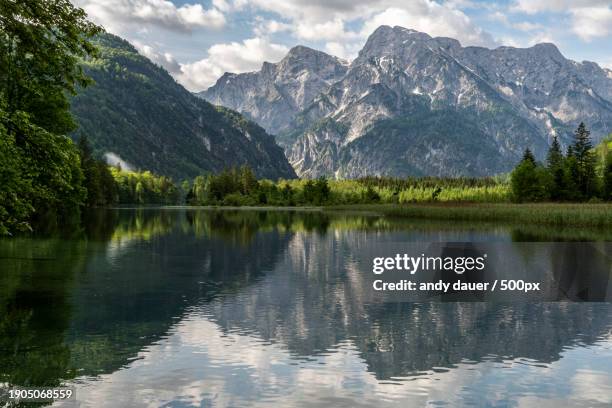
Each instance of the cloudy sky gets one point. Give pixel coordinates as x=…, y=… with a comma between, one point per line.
x=198, y=40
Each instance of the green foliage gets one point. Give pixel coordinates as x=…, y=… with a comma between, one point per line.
x=607, y=178
x=587, y=182
x=40, y=44
x=99, y=182
x=144, y=188
x=371, y=196
x=239, y=187
x=47, y=165
x=529, y=180
x=143, y=115
x=528, y=157
x=555, y=162
x=560, y=215
x=581, y=175
x=15, y=206
x=316, y=192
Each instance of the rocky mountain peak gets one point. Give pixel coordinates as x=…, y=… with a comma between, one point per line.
x=276, y=93
x=301, y=57
x=386, y=40
x=410, y=104
x=549, y=50
x=303, y=52
x=447, y=43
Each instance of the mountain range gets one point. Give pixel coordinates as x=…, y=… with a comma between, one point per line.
x=411, y=104
x=137, y=115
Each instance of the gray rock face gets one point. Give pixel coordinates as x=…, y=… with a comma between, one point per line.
x=410, y=104
x=273, y=96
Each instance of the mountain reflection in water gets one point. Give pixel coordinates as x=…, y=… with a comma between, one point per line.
x=153, y=307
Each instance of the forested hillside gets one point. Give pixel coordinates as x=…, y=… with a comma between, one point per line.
x=136, y=111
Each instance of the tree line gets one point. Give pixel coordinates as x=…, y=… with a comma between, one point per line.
x=238, y=186
x=574, y=176
x=110, y=185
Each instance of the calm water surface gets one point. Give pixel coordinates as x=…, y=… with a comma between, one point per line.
x=181, y=308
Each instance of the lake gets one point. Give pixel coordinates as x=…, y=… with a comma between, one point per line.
x=197, y=307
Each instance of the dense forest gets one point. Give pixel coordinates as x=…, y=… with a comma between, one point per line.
x=41, y=43
x=239, y=187
x=135, y=109
x=581, y=174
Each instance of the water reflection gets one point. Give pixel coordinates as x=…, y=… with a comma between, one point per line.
x=231, y=308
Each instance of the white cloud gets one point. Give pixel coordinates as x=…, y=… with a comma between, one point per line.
x=165, y=59
x=265, y=27
x=432, y=18
x=509, y=41
x=591, y=22
x=536, y=6
x=314, y=10
x=342, y=50
x=328, y=30
x=527, y=26
x=500, y=17
x=222, y=5
x=589, y=18
x=327, y=21
x=340, y=27
x=542, y=37
x=124, y=16
x=237, y=57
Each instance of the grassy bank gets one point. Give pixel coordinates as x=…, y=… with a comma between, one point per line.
x=561, y=215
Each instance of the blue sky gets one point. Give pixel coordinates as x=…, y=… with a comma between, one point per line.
x=199, y=40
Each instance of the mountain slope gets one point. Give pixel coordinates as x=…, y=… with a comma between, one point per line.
x=411, y=104
x=275, y=94
x=135, y=111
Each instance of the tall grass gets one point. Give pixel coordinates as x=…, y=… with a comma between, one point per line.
x=562, y=215
x=412, y=190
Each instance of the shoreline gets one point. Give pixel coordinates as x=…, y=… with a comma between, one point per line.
x=553, y=214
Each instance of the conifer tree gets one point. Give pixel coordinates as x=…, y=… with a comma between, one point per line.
x=607, y=178
x=98, y=180
x=555, y=161
x=529, y=180
x=585, y=162
x=248, y=181
x=571, y=176
x=528, y=156
x=555, y=155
